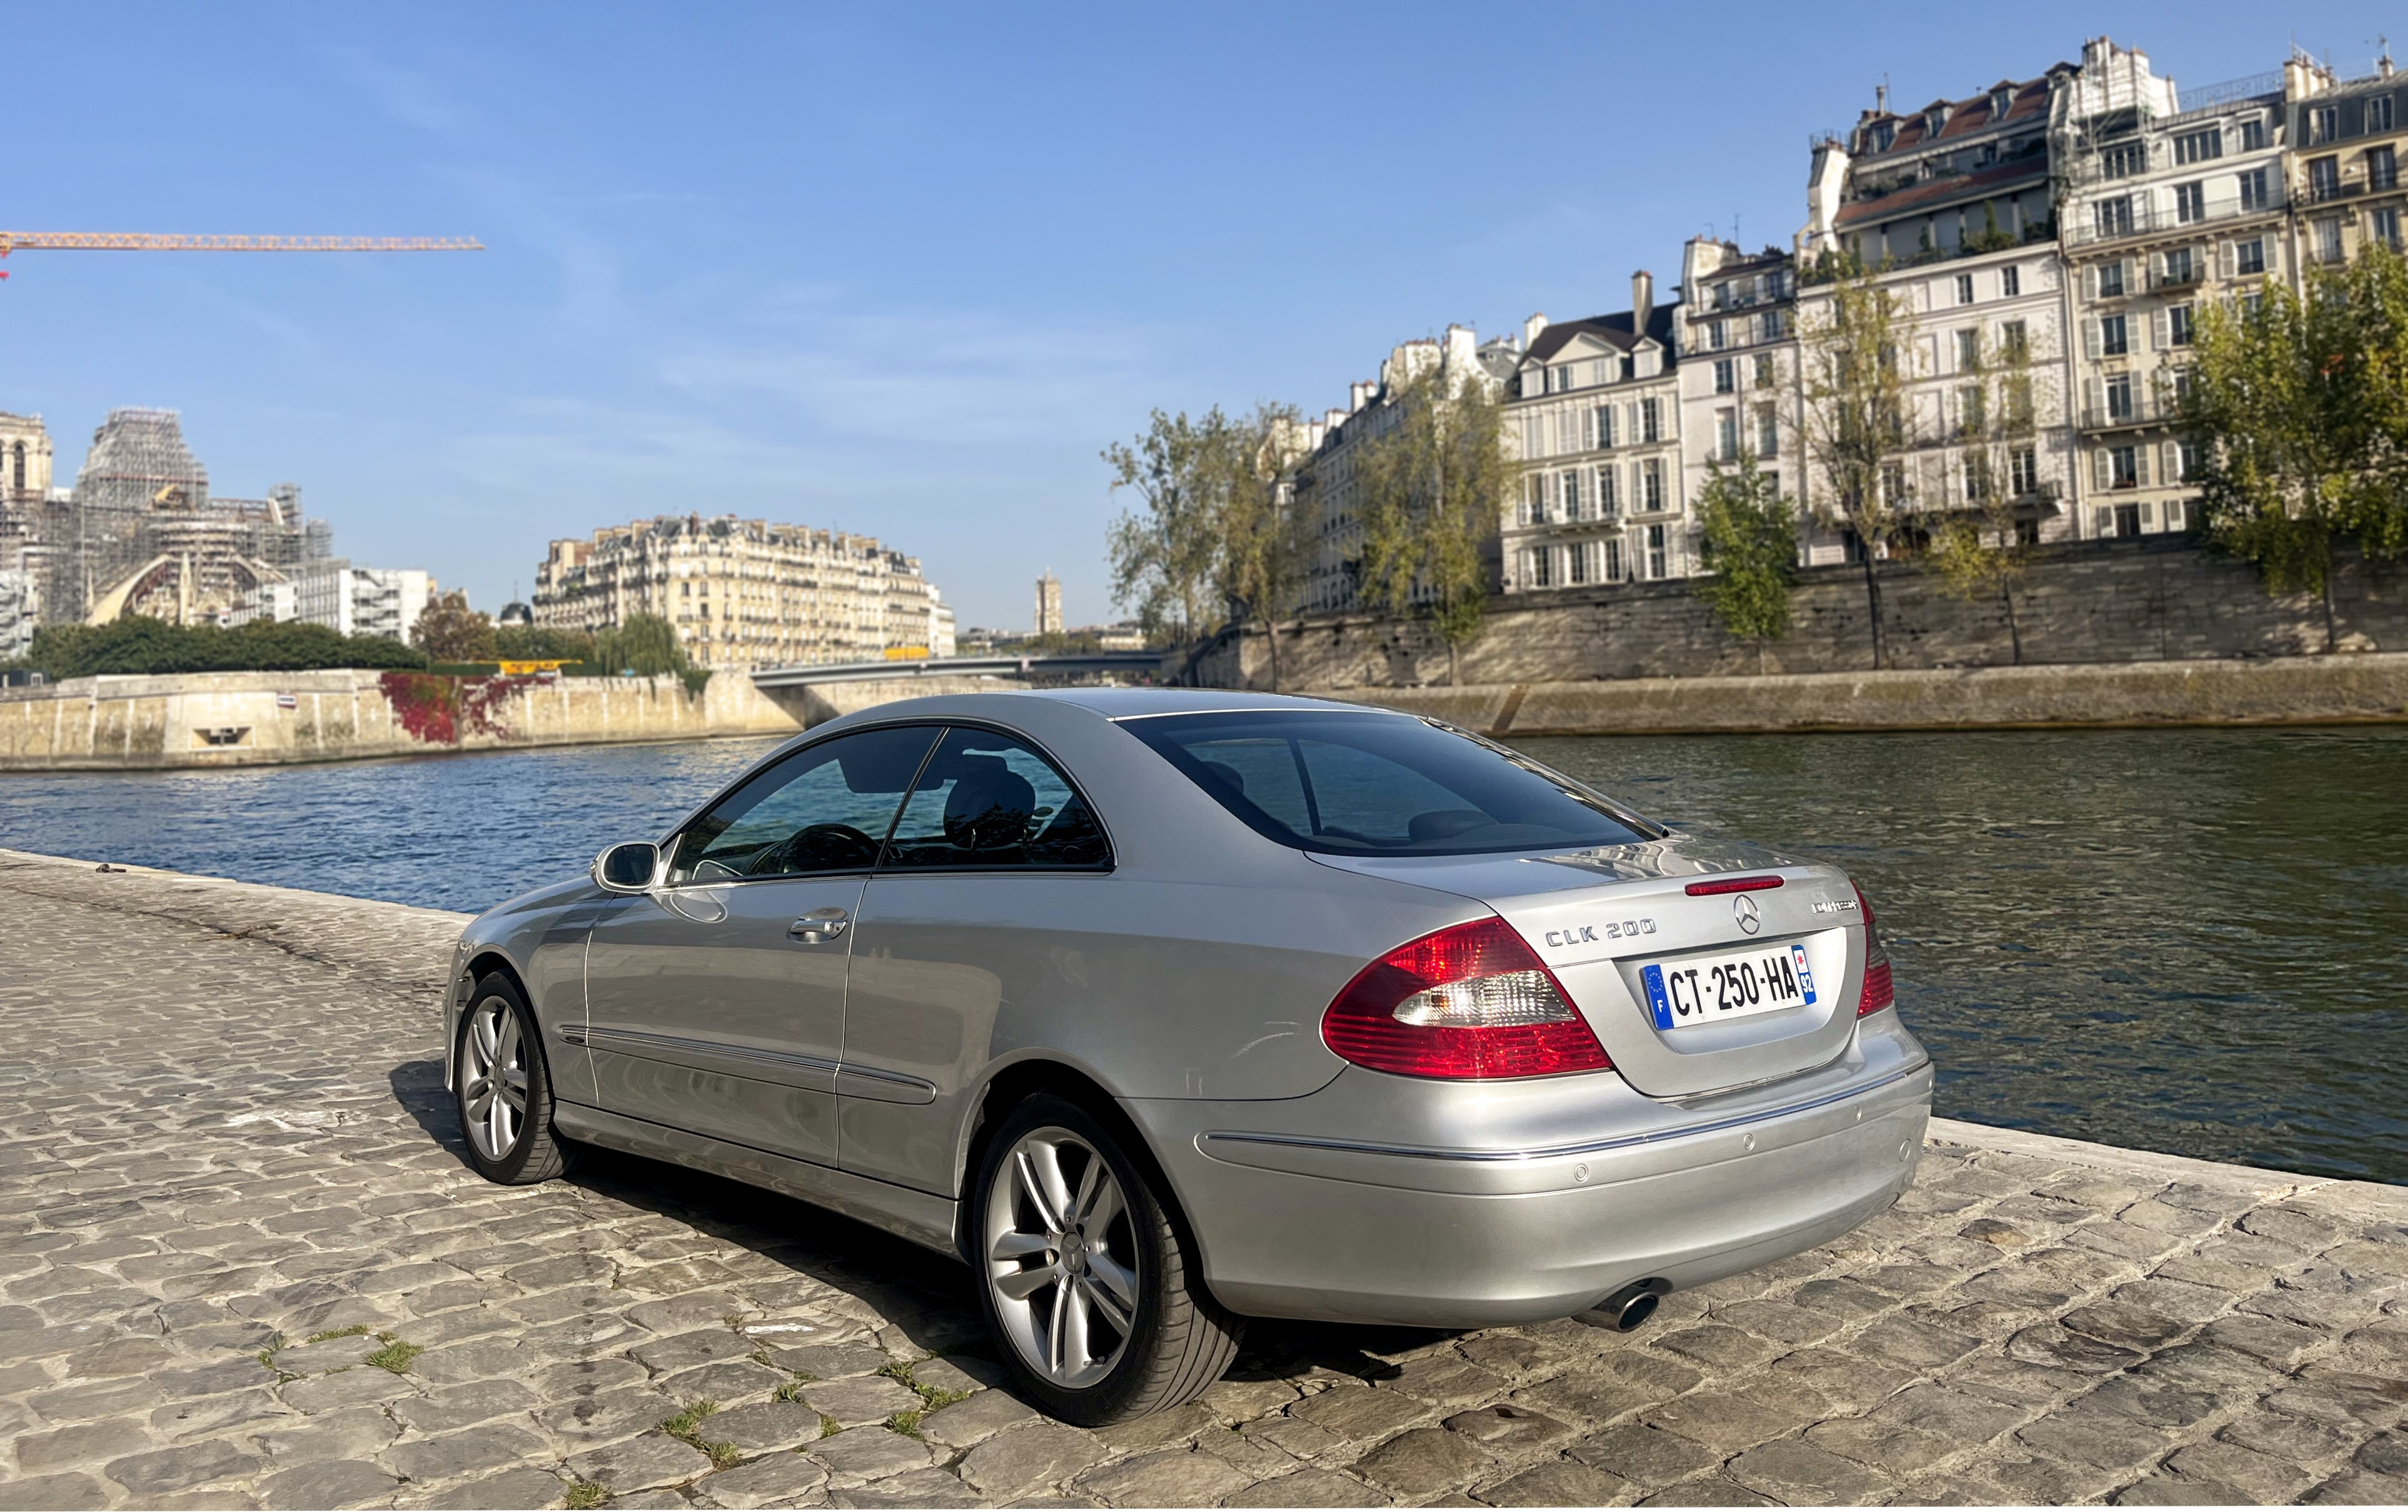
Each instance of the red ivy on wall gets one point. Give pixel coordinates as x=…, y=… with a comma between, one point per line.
x=442, y=710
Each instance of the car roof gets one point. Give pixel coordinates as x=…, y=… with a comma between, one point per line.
x=1138, y=703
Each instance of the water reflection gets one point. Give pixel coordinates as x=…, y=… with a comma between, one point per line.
x=2185, y=941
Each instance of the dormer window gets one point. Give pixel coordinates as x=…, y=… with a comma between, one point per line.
x=1933, y=120
x=1884, y=134
x=2001, y=101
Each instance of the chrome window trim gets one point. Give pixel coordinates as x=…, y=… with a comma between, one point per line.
x=1559, y=1151
x=669, y=841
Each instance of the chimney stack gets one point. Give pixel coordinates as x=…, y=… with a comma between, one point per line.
x=1642, y=300
x=1531, y=329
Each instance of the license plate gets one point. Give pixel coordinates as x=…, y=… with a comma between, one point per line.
x=1709, y=989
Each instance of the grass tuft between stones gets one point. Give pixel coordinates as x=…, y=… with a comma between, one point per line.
x=906, y=1422
x=935, y=1396
x=586, y=1493
x=354, y=1331
x=396, y=1356
x=686, y=1428
x=793, y=1390
x=829, y=1427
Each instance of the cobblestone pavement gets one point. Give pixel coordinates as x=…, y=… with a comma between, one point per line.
x=241, y=1263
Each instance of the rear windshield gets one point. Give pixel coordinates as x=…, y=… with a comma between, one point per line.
x=1387, y=784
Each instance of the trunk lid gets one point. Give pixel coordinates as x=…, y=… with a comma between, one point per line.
x=1600, y=918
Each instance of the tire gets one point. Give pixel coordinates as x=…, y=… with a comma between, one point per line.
x=515, y=1143
x=1141, y=1334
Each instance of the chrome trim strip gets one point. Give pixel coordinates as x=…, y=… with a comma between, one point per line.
x=875, y=1075
x=638, y=1039
x=573, y=1033
x=1553, y=1152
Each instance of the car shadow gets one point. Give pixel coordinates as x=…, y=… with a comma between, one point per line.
x=929, y=1298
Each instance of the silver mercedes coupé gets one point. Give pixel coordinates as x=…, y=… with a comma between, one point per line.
x=1163, y=1010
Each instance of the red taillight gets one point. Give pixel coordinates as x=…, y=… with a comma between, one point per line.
x=1878, y=993
x=1724, y=884
x=1469, y=1003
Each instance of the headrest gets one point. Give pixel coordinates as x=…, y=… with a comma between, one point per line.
x=991, y=808
x=1221, y=771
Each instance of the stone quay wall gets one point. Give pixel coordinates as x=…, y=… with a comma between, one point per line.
x=2302, y=690
x=240, y=719
x=2158, y=599
x=242, y=1263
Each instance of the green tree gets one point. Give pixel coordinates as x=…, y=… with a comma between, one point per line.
x=2296, y=415
x=1433, y=484
x=1751, y=541
x=1852, y=350
x=1164, y=560
x=645, y=645
x=133, y=645
x=541, y=643
x=1983, y=548
x=449, y=630
x=1266, y=537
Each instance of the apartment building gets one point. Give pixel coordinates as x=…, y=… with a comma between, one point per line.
x=351, y=600
x=1329, y=450
x=1738, y=373
x=2172, y=199
x=1593, y=413
x=1952, y=207
x=746, y=593
x=2346, y=141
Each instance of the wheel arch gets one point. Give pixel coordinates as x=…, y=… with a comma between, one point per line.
x=1015, y=1083
x=484, y=963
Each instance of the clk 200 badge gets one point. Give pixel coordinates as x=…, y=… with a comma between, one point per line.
x=1621, y=930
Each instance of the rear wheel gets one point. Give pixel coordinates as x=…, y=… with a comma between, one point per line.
x=1087, y=1279
x=504, y=1088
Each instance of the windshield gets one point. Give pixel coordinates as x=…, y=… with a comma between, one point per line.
x=1376, y=783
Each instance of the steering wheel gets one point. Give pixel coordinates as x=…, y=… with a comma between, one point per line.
x=815, y=848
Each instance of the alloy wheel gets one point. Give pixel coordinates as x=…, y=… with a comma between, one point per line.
x=1061, y=1258
x=493, y=1077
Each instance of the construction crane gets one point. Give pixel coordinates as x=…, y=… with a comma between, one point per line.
x=157, y=242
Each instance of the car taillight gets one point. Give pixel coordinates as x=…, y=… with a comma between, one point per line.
x=1469, y=1003
x=1878, y=993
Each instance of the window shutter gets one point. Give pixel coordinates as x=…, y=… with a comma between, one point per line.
x=2089, y=336
x=2173, y=466
x=2158, y=329
x=2100, y=476
x=2140, y=466
x=2273, y=246
x=2224, y=259
x=1588, y=431
x=2089, y=284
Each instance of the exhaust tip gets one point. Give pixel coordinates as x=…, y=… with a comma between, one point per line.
x=1629, y=1307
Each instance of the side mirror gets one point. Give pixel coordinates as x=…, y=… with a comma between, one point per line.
x=630, y=868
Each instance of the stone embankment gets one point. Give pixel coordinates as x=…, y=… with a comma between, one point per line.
x=241, y=1263
x=249, y=719
x=2300, y=690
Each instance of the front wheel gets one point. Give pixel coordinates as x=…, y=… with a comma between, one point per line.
x=504, y=1088
x=1087, y=1279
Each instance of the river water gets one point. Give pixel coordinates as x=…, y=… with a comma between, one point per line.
x=2190, y=940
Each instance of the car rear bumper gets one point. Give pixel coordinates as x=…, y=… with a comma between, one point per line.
x=1299, y=1216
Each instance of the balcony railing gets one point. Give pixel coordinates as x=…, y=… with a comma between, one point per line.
x=2145, y=408
x=2083, y=226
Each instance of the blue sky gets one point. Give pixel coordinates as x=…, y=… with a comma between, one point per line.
x=901, y=270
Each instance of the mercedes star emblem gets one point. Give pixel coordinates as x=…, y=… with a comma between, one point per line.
x=1751, y=918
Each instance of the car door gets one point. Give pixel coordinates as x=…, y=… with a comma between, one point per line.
x=715, y=1002
x=991, y=873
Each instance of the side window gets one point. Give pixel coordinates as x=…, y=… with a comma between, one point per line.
x=987, y=800
x=825, y=808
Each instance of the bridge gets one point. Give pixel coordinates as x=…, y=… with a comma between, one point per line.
x=886, y=671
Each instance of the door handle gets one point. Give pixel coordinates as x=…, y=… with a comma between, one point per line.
x=819, y=925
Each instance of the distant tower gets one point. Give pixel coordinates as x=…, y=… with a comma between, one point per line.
x=1048, y=604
